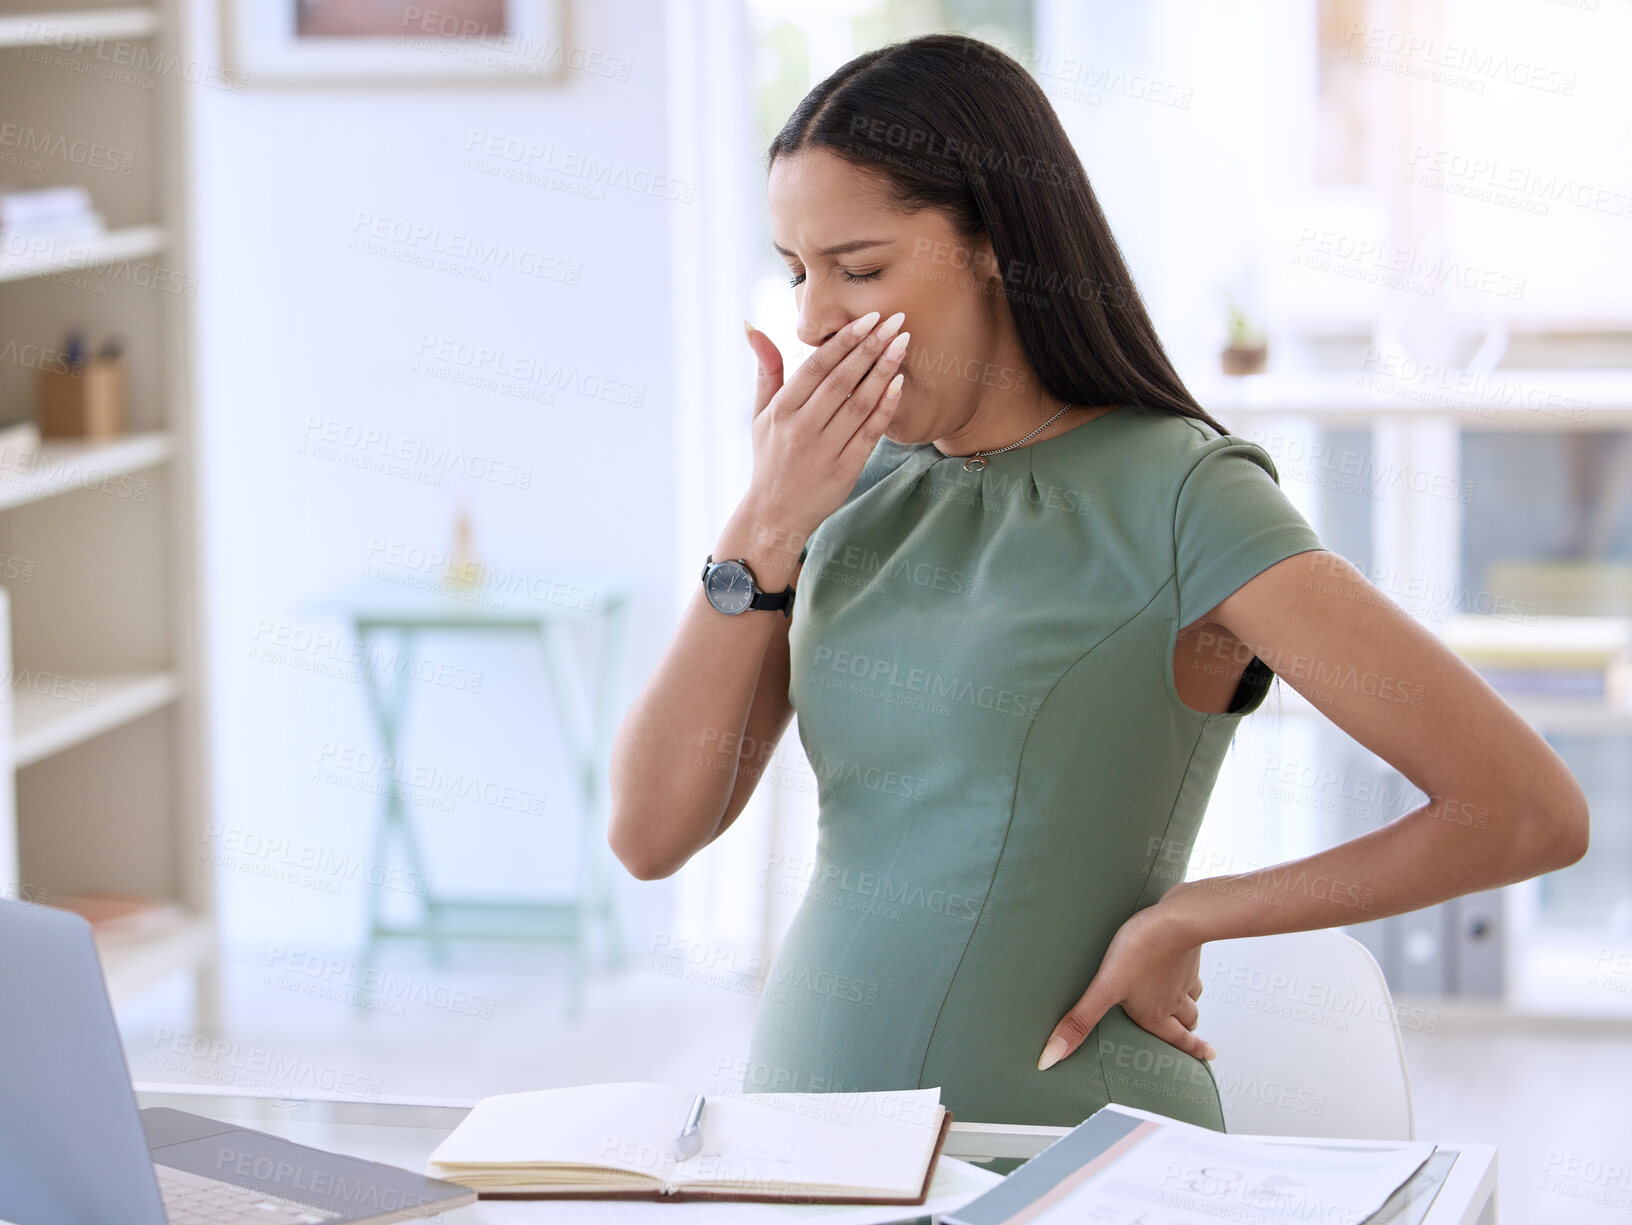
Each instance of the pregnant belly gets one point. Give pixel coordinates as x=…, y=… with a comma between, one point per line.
x=864, y=995
x=855, y=991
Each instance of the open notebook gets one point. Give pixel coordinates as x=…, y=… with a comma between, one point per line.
x=614, y=1141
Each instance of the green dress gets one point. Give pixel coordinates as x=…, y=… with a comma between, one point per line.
x=981, y=663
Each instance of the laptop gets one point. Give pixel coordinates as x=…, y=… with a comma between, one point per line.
x=75, y=1150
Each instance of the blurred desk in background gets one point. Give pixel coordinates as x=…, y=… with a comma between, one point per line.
x=546, y=604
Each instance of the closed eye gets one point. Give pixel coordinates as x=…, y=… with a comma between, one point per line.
x=846, y=274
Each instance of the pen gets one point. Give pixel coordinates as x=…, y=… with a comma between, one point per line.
x=690, y=1140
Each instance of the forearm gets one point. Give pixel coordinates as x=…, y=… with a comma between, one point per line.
x=1438, y=851
x=675, y=757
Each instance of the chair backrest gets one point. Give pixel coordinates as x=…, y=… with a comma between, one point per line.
x=1307, y=1039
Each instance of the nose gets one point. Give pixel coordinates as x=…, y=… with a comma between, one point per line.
x=821, y=314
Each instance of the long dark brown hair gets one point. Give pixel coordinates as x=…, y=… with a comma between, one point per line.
x=953, y=123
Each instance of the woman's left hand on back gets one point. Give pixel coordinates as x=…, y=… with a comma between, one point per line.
x=1154, y=972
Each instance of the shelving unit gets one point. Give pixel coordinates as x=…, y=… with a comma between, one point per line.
x=43, y=724
x=43, y=27
x=44, y=257
x=103, y=782
x=1505, y=399
x=64, y=465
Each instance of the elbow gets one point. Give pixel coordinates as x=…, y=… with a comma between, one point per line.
x=1564, y=834
x=635, y=854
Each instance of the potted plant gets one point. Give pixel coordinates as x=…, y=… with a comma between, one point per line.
x=1245, y=348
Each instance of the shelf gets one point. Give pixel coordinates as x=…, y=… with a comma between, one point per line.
x=43, y=724
x=42, y=29
x=1534, y=399
x=62, y=465
x=132, y=965
x=1564, y=716
x=44, y=256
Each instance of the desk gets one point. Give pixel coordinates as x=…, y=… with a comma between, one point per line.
x=404, y=1132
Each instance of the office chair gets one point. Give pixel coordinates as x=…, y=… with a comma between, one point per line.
x=1307, y=1038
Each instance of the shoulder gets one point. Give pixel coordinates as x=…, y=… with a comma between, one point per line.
x=1148, y=459
x=1180, y=447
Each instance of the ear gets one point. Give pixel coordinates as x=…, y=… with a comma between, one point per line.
x=983, y=261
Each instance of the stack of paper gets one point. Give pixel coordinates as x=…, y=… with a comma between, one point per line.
x=1124, y=1164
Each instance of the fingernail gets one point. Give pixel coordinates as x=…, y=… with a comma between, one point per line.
x=893, y=391
x=898, y=346
x=1210, y=1053
x=865, y=324
x=748, y=329
x=892, y=324
x=1052, y=1053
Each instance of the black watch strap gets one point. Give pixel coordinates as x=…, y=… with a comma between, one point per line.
x=782, y=599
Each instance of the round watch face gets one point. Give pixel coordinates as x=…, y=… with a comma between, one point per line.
x=729, y=588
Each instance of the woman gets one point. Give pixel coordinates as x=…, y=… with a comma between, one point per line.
x=1049, y=585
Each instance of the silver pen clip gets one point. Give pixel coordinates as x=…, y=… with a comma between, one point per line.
x=690, y=1140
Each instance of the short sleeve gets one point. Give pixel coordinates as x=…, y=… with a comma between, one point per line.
x=1231, y=522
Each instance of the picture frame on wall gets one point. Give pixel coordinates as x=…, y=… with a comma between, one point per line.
x=387, y=42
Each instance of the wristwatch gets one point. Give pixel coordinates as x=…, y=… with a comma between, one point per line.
x=730, y=587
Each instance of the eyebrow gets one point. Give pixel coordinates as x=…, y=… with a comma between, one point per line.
x=843, y=248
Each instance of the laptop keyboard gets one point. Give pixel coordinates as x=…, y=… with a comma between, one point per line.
x=192, y=1200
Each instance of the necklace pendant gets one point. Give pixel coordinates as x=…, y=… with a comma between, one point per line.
x=975, y=460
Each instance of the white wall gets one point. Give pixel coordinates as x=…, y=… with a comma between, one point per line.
x=302, y=334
